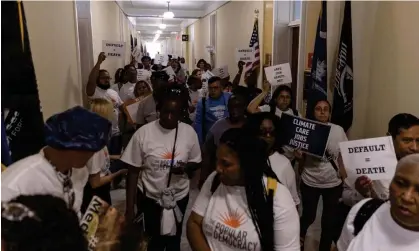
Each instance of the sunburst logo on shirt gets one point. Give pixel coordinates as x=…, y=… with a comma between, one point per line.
x=168, y=155
x=233, y=219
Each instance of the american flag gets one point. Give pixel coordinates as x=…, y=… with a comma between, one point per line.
x=254, y=43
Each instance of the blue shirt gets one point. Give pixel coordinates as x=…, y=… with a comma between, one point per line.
x=215, y=109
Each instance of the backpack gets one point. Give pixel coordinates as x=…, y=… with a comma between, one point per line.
x=365, y=213
x=271, y=186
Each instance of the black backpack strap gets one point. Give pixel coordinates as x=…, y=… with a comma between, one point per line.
x=365, y=213
x=204, y=110
x=215, y=183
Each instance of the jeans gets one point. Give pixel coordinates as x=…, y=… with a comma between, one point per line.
x=152, y=213
x=310, y=199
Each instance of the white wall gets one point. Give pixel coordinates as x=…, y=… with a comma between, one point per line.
x=110, y=23
x=385, y=52
x=234, y=26
x=53, y=39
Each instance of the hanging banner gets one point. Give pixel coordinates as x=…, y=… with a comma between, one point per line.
x=246, y=55
x=279, y=74
x=374, y=158
x=113, y=49
x=307, y=135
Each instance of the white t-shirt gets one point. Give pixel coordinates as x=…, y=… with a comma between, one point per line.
x=35, y=175
x=319, y=172
x=112, y=96
x=380, y=232
x=227, y=223
x=127, y=91
x=151, y=147
x=100, y=161
x=285, y=173
x=278, y=112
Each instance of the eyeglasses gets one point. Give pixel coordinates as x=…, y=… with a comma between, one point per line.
x=14, y=211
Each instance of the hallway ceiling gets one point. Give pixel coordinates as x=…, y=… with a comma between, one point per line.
x=148, y=14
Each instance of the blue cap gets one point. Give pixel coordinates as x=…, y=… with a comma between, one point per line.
x=77, y=129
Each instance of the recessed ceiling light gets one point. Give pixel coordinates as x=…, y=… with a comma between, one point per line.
x=139, y=31
x=162, y=26
x=173, y=32
x=158, y=32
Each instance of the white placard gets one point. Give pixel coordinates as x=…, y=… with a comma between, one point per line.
x=169, y=70
x=221, y=72
x=113, y=49
x=161, y=59
x=245, y=55
x=143, y=74
x=210, y=48
x=279, y=74
x=374, y=158
x=174, y=56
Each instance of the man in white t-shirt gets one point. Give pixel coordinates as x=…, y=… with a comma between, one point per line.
x=167, y=151
x=98, y=86
x=60, y=168
x=127, y=90
x=395, y=224
x=404, y=129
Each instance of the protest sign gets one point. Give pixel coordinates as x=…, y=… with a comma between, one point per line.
x=143, y=74
x=245, y=55
x=279, y=74
x=105, y=229
x=221, y=72
x=374, y=158
x=309, y=136
x=210, y=48
x=161, y=59
x=113, y=49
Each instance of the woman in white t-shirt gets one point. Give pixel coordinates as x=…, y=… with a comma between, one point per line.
x=281, y=102
x=167, y=152
x=100, y=176
x=241, y=206
x=394, y=225
x=266, y=126
x=320, y=178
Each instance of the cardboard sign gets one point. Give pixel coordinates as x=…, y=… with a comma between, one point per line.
x=245, y=55
x=374, y=158
x=169, y=70
x=161, y=59
x=221, y=72
x=113, y=49
x=130, y=108
x=279, y=74
x=309, y=136
x=210, y=48
x=143, y=74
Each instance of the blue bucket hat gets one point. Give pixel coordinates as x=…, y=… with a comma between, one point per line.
x=77, y=129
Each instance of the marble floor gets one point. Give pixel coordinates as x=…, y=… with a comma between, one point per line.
x=312, y=239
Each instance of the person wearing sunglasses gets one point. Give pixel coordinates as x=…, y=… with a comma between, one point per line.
x=40, y=222
x=72, y=138
x=266, y=126
x=166, y=152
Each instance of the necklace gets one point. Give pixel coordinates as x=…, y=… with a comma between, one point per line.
x=66, y=181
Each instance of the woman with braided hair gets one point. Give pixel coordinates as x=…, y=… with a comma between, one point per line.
x=241, y=205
